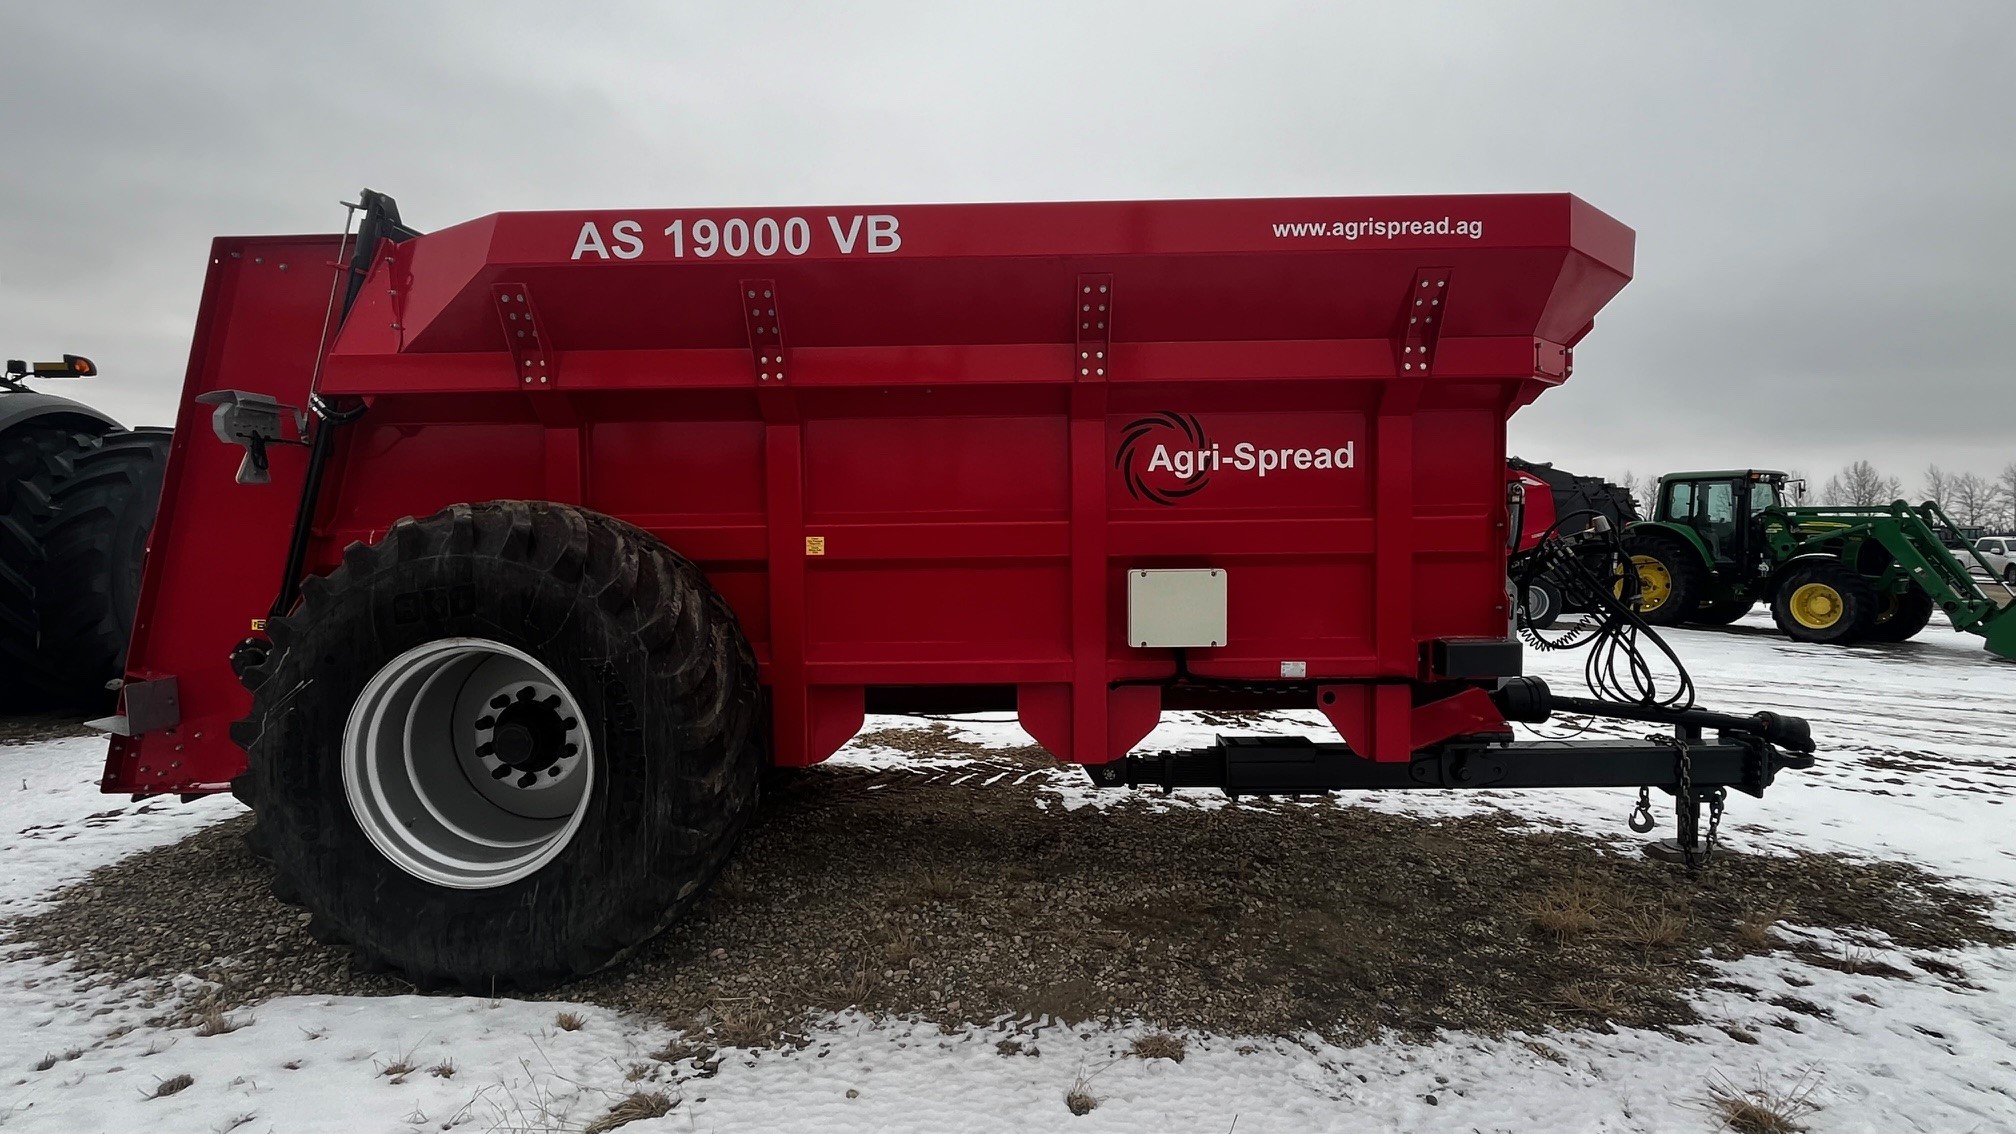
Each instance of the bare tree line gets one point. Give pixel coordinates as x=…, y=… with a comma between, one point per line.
x=1972, y=500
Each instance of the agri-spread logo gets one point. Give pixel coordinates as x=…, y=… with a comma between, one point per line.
x=1165, y=458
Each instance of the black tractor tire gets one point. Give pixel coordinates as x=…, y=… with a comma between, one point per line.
x=667, y=690
x=34, y=458
x=1540, y=606
x=1722, y=613
x=94, y=548
x=1840, y=611
x=1686, y=577
x=1899, y=617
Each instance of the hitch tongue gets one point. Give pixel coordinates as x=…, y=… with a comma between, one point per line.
x=254, y=421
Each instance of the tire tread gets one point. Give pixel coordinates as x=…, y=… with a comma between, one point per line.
x=701, y=646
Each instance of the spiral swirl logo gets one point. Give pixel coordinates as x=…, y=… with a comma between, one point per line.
x=1153, y=481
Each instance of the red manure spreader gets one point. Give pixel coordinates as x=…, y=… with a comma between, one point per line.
x=496, y=565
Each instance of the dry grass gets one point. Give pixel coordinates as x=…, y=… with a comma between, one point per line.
x=938, y=886
x=214, y=1022
x=174, y=1084
x=443, y=1070
x=1762, y=1109
x=744, y=1023
x=1080, y=1101
x=862, y=986
x=1656, y=929
x=900, y=948
x=400, y=1067
x=678, y=1050
x=1856, y=962
x=569, y=1022
x=235, y=1122
x=1602, y=1001
x=52, y=1059
x=1545, y=1052
x=634, y=1108
x=1567, y=912
x=1756, y=931
x=1159, y=1046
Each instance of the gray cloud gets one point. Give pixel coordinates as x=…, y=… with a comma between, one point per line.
x=1822, y=191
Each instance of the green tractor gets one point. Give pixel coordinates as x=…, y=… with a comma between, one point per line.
x=1720, y=542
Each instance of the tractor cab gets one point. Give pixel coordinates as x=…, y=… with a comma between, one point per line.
x=1724, y=510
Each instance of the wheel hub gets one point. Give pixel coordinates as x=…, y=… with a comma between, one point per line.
x=466, y=764
x=1816, y=606
x=526, y=735
x=1655, y=583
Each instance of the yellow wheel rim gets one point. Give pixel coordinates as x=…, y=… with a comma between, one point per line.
x=1817, y=606
x=1655, y=582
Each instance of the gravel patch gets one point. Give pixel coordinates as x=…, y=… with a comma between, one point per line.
x=933, y=895
x=36, y=729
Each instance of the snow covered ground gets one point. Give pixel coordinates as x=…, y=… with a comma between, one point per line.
x=1917, y=764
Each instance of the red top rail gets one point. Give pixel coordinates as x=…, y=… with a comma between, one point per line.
x=933, y=276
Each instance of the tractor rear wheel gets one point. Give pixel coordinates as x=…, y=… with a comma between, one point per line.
x=94, y=548
x=34, y=458
x=1724, y=612
x=1824, y=602
x=1670, y=578
x=75, y=511
x=503, y=747
x=1900, y=616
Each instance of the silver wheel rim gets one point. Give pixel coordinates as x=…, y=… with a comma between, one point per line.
x=467, y=763
x=1537, y=604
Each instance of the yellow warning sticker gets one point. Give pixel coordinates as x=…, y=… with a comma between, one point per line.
x=815, y=545
x=258, y=624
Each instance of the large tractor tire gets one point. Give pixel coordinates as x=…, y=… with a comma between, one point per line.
x=1670, y=577
x=1899, y=617
x=34, y=458
x=93, y=549
x=1722, y=613
x=1540, y=607
x=75, y=512
x=503, y=747
x=1825, y=602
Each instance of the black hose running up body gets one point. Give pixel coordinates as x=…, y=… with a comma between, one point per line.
x=1588, y=567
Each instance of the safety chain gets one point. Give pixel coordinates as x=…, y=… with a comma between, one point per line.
x=1686, y=805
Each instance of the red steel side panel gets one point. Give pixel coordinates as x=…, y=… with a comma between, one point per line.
x=214, y=558
x=918, y=445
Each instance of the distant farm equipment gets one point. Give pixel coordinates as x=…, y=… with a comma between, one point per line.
x=77, y=500
x=1721, y=542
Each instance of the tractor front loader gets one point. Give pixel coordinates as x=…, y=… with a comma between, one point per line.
x=1721, y=542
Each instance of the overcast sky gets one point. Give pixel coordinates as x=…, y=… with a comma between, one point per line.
x=1824, y=193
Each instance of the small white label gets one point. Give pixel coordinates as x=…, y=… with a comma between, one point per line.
x=1294, y=669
